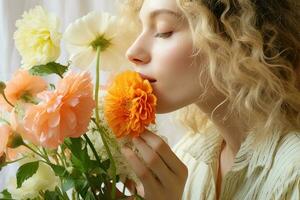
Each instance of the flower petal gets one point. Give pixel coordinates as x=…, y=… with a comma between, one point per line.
x=84, y=58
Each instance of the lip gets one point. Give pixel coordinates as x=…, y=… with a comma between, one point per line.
x=150, y=79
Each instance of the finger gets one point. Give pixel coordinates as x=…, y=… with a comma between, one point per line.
x=135, y=188
x=130, y=185
x=164, y=151
x=154, y=162
x=140, y=190
x=144, y=174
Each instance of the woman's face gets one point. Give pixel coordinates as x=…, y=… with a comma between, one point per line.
x=163, y=53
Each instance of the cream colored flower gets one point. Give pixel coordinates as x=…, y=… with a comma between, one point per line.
x=98, y=29
x=44, y=179
x=37, y=37
x=123, y=168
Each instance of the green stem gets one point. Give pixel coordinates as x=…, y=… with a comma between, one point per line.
x=73, y=195
x=61, y=159
x=97, y=84
x=93, y=148
x=124, y=186
x=34, y=151
x=63, y=155
x=111, y=159
x=4, y=96
x=113, y=192
x=46, y=154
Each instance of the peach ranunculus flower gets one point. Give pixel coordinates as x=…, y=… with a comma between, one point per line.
x=130, y=105
x=22, y=86
x=64, y=112
x=7, y=135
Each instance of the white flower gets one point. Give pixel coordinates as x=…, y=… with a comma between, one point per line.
x=44, y=179
x=123, y=168
x=98, y=29
x=37, y=37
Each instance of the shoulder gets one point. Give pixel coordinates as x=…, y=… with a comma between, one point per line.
x=184, y=146
x=284, y=174
x=288, y=151
x=197, y=148
x=186, y=141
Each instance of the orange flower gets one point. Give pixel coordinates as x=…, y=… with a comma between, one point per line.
x=130, y=105
x=62, y=113
x=20, y=85
x=7, y=136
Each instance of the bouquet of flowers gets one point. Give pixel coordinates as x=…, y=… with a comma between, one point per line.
x=66, y=137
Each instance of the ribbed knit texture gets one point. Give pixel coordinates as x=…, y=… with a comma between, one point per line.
x=269, y=171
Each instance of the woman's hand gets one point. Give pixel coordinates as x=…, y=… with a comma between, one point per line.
x=163, y=175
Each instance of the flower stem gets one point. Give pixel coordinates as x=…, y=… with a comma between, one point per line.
x=113, y=192
x=113, y=166
x=59, y=158
x=46, y=154
x=93, y=148
x=97, y=84
x=63, y=155
x=34, y=151
x=4, y=96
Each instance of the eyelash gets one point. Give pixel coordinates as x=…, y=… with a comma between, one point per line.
x=164, y=35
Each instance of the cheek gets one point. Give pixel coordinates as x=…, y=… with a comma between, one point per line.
x=178, y=83
x=174, y=58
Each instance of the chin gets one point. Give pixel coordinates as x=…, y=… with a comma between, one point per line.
x=165, y=108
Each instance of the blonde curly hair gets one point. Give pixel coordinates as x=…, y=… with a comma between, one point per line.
x=253, y=50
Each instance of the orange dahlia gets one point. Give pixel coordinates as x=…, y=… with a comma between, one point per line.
x=130, y=105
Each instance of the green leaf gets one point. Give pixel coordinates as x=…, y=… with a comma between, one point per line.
x=81, y=186
x=90, y=196
x=80, y=158
x=26, y=171
x=106, y=164
x=51, y=195
x=59, y=170
x=5, y=195
x=67, y=183
x=47, y=69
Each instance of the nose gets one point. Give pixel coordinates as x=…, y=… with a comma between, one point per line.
x=137, y=54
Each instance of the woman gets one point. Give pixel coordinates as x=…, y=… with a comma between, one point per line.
x=233, y=65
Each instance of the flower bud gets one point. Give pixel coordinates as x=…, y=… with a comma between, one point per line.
x=15, y=141
x=2, y=87
x=2, y=159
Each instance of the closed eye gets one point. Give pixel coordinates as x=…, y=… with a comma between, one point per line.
x=164, y=35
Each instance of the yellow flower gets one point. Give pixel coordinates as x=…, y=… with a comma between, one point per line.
x=130, y=105
x=98, y=29
x=37, y=37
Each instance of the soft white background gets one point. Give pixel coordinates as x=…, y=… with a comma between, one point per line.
x=67, y=11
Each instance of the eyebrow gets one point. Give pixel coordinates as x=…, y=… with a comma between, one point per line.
x=162, y=11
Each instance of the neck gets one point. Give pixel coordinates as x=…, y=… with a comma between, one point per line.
x=229, y=126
